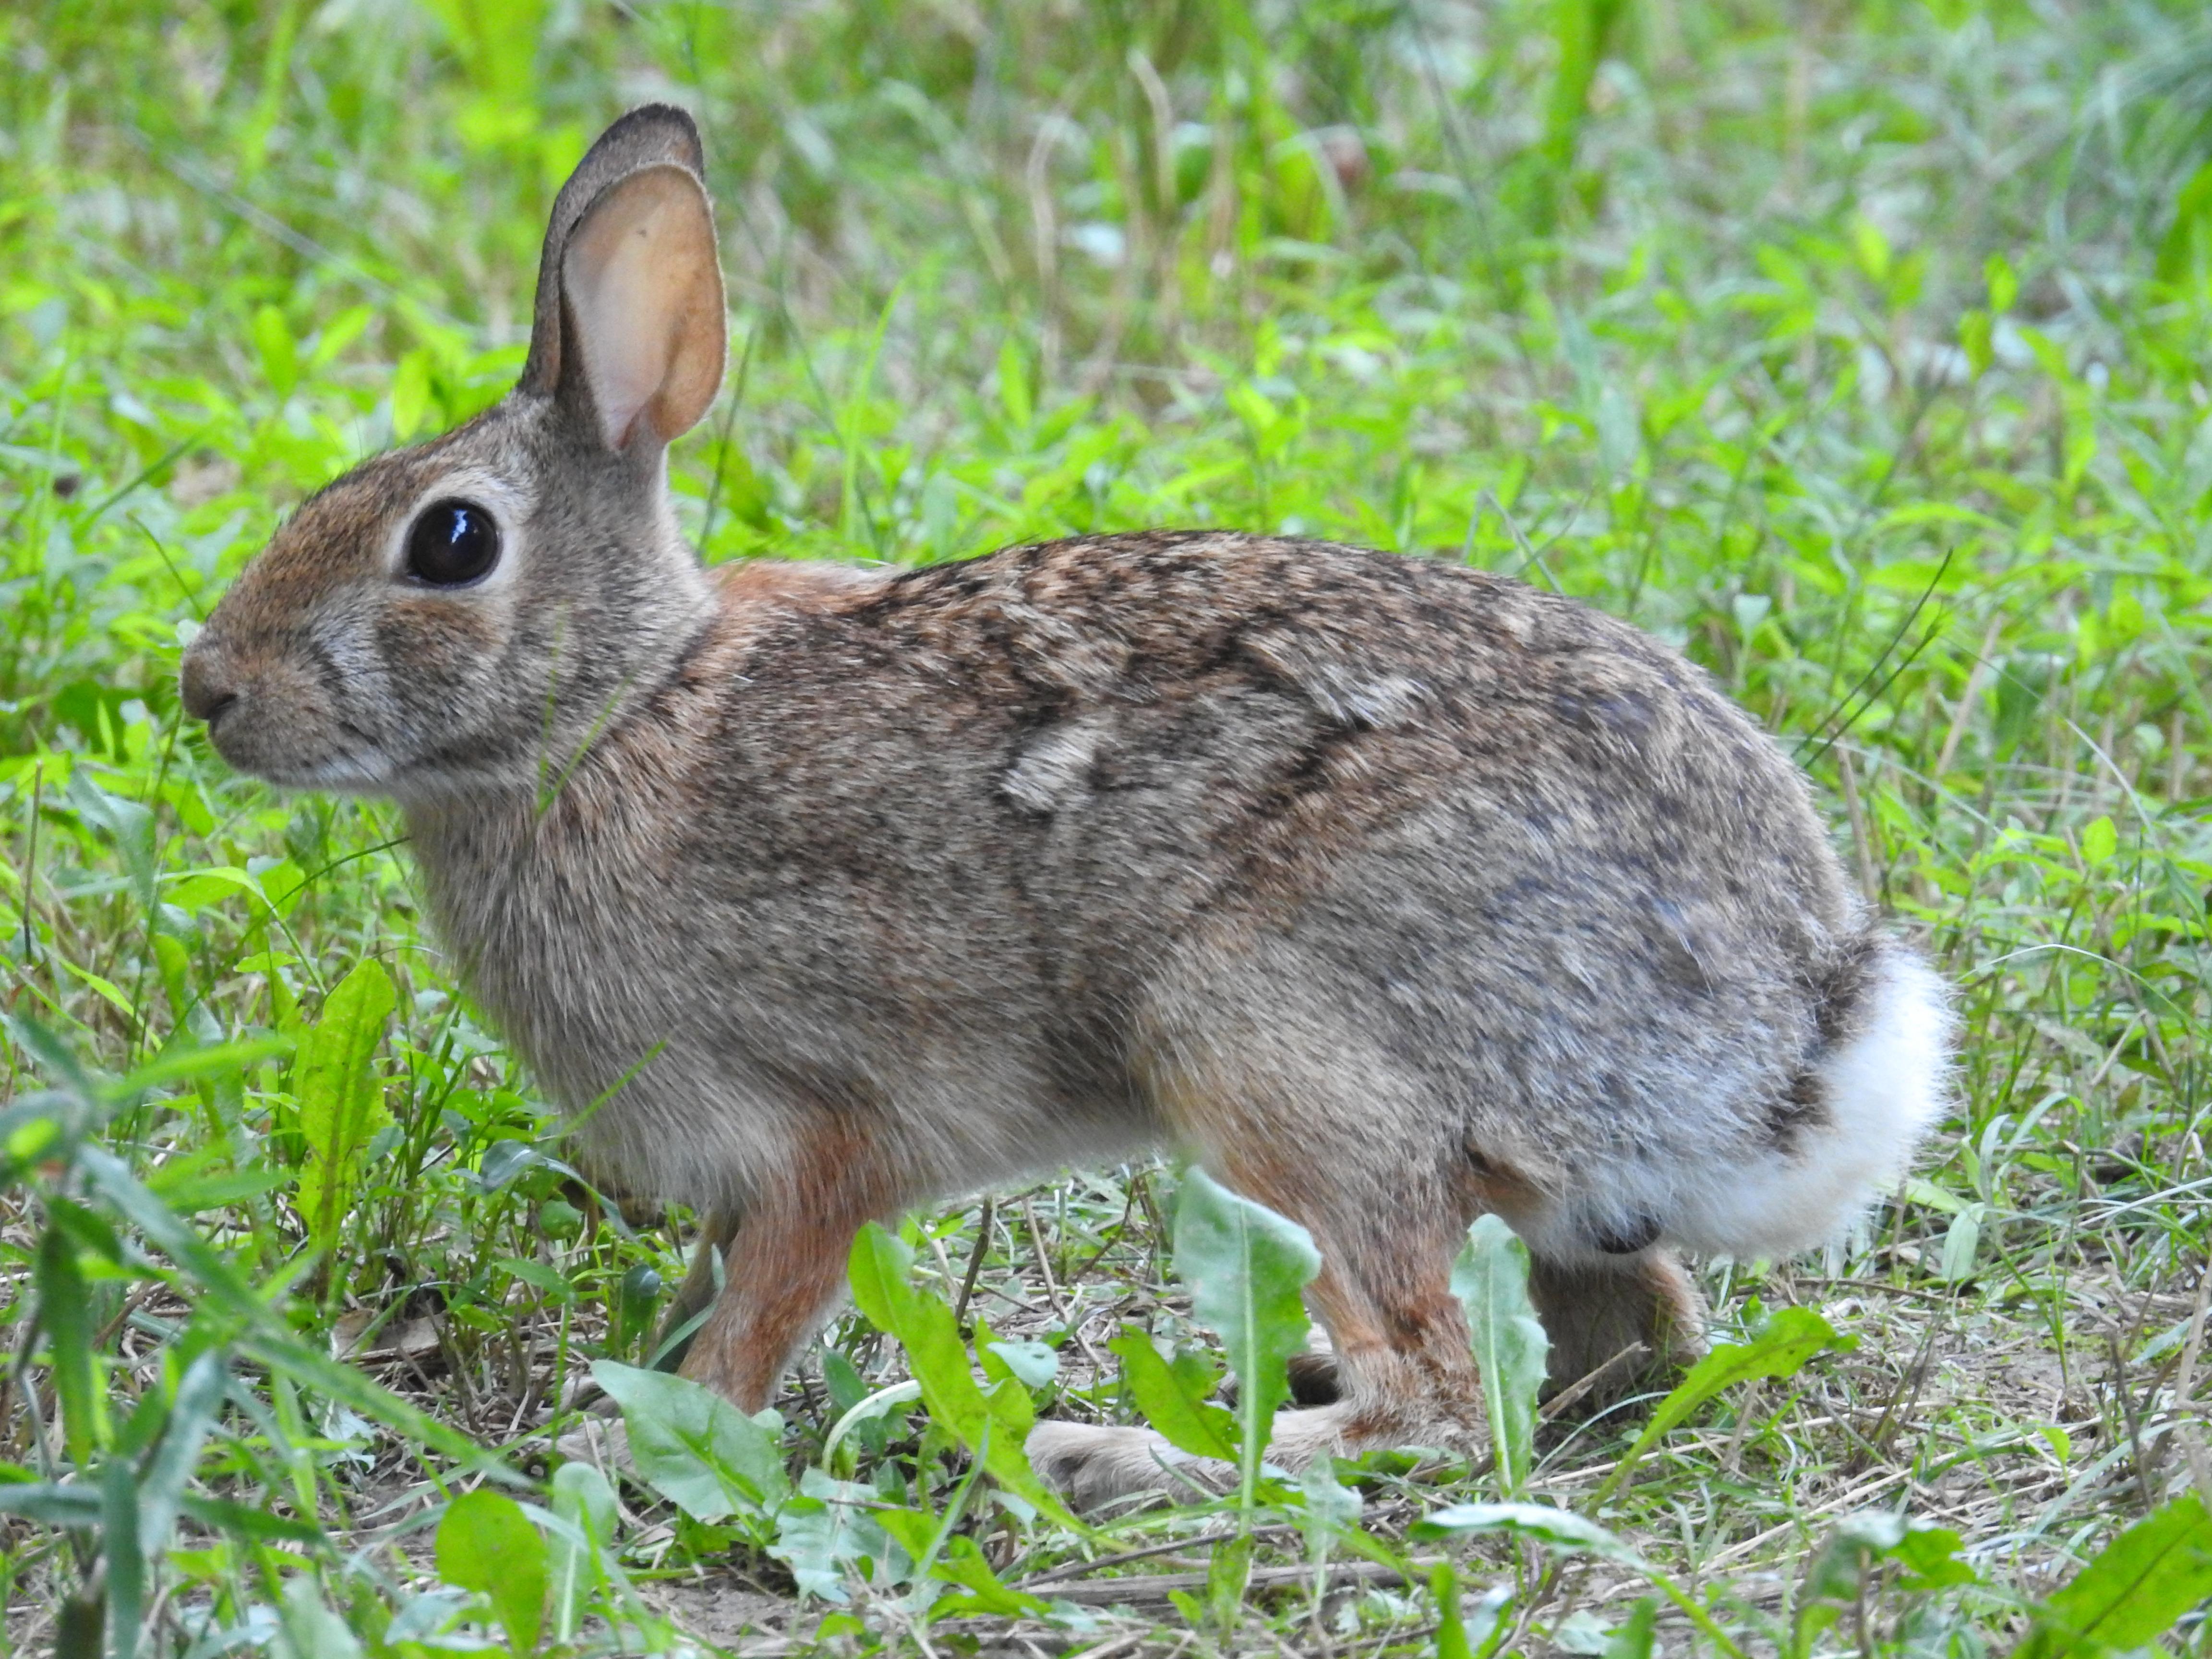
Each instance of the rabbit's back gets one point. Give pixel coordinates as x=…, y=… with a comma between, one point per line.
x=1212, y=739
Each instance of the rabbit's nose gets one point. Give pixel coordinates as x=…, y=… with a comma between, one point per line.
x=206, y=685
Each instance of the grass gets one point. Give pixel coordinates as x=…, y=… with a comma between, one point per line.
x=1859, y=351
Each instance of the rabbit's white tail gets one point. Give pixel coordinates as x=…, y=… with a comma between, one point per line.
x=1871, y=1094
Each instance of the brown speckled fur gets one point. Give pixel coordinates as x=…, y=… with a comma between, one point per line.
x=1394, y=890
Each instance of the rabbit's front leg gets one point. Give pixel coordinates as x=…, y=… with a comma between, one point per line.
x=784, y=1270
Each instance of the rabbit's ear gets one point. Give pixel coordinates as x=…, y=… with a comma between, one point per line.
x=645, y=337
x=650, y=135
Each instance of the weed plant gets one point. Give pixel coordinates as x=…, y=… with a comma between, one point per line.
x=1858, y=350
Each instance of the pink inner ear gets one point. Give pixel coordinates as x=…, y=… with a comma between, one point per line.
x=644, y=292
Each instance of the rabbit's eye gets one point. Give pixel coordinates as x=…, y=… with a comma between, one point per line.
x=453, y=542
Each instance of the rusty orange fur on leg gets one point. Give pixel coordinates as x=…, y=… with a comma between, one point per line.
x=785, y=1268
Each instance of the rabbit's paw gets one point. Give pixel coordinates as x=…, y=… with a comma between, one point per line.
x=1094, y=1465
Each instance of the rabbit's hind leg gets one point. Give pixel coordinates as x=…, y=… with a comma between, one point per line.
x=1404, y=1370
x=1616, y=1322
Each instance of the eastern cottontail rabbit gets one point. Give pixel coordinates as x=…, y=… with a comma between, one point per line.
x=1394, y=892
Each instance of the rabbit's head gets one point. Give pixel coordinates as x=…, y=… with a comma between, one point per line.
x=467, y=613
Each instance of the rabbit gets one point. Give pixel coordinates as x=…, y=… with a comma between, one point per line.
x=1393, y=891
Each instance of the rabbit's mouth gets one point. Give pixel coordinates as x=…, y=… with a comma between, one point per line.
x=347, y=770
x=346, y=759
x=295, y=750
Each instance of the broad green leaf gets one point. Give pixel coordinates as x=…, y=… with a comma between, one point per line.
x=1928, y=1552
x=583, y=1497
x=1920, y=1190
x=1164, y=1394
x=129, y=823
x=27, y=1133
x=1871, y=246
x=2134, y=1589
x=1490, y=1279
x=1228, y=1574
x=108, y=991
x=1974, y=333
x=539, y=1276
x=1930, y=1556
x=994, y=1425
x=956, y=1559
x=486, y=1544
x=341, y=1106
x=189, y=1193
x=339, y=332
x=1781, y=1348
x=986, y=1343
x=1014, y=385
x=917, y=1532
x=694, y=1448
x=1962, y=1241
x=194, y=891
x=813, y=1539
x=826, y=1529
x=1034, y=1363
x=637, y=1295
x=503, y=1160
x=2003, y=282
x=410, y=395
x=877, y=1268
x=1246, y=1265
x=1583, y=30
x=280, y=352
